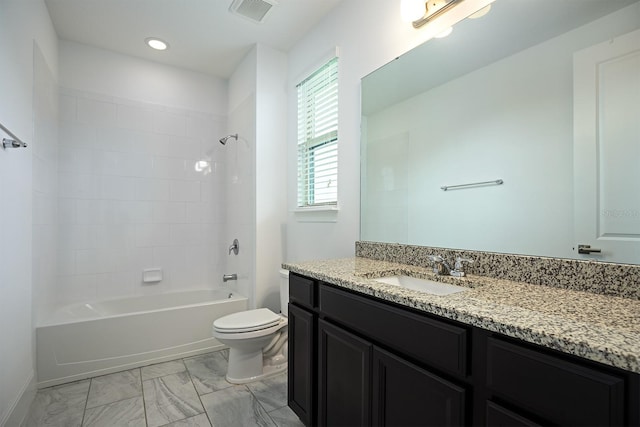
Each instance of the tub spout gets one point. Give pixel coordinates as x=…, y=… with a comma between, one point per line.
x=227, y=277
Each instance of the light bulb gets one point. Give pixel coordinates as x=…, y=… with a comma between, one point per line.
x=156, y=44
x=412, y=10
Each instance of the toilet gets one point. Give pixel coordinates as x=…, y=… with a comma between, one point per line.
x=257, y=340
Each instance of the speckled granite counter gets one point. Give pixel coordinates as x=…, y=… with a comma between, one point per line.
x=602, y=328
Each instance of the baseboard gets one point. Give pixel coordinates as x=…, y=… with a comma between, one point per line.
x=20, y=408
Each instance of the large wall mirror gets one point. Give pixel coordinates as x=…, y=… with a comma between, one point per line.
x=543, y=95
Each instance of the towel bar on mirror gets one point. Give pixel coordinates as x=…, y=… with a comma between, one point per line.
x=472, y=184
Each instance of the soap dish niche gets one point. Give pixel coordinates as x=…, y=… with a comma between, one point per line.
x=152, y=275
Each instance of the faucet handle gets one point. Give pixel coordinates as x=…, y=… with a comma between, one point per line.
x=235, y=247
x=438, y=264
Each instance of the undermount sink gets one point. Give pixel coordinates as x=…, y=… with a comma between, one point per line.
x=423, y=285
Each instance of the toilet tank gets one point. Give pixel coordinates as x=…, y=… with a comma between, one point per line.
x=284, y=291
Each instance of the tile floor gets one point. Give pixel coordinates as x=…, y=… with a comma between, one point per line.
x=190, y=392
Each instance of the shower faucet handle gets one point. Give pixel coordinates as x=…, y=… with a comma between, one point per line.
x=235, y=247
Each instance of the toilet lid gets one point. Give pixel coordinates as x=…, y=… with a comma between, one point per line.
x=247, y=321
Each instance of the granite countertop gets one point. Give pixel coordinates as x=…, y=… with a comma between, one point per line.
x=602, y=328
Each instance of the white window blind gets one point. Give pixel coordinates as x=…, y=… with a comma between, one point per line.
x=318, y=137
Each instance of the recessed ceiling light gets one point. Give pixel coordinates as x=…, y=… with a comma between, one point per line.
x=156, y=43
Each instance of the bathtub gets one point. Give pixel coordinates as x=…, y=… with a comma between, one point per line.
x=89, y=339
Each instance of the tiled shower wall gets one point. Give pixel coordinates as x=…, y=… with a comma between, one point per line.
x=140, y=186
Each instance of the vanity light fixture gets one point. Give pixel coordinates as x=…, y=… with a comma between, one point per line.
x=420, y=12
x=156, y=43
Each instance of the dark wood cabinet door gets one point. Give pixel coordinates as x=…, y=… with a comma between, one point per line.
x=497, y=416
x=563, y=392
x=407, y=395
x=344, y=377
x=302, y=351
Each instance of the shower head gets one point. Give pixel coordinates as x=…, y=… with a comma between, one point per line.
x=223, y=141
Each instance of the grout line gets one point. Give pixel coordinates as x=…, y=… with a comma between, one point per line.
x=197, y=394
x=144, y=401
x=86, y=401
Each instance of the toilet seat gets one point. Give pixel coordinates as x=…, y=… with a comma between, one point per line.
x=247, y=321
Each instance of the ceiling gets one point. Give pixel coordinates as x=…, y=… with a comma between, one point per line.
x=203, y=35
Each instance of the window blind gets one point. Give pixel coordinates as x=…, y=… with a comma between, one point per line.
x=318, y=137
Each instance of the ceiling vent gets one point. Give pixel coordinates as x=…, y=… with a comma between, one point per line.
x=255, y=10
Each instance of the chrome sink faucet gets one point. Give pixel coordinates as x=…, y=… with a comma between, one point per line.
x=441, y=267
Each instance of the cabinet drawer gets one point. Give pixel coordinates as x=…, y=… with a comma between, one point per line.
x=438, y=344
x=560, y=391
x=302, y=291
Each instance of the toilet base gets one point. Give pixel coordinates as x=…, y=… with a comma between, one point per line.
x=267, y=371
x=247, y=365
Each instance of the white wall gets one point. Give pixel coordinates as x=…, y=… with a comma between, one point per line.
x=369, y=34
x=45, y=187
x=132, y=193
x=21, y=22
x=240, y=178
x=271, y=178
x=101, y=71
x=256, y=173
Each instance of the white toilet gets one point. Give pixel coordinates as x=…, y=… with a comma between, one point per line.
x=257, y=340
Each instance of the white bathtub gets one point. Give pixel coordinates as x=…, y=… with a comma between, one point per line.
x=84, y=340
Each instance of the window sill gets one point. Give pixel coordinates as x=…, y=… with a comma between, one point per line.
x=317, y=214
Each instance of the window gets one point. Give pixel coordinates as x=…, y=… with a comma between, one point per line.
x=318, y=137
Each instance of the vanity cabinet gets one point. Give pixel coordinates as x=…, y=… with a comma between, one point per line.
x=356, y=360
x=302, y=353
x=553, y=388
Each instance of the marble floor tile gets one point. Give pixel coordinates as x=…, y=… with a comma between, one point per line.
x=271, y=392
x=60, y=406
x=114, y=387
x=128, y=412
x=198, y=421
x=170, y=398
x=235, y=407
x=208, y=372
x=285, y=417
x=162, y=369
x=165, y=394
